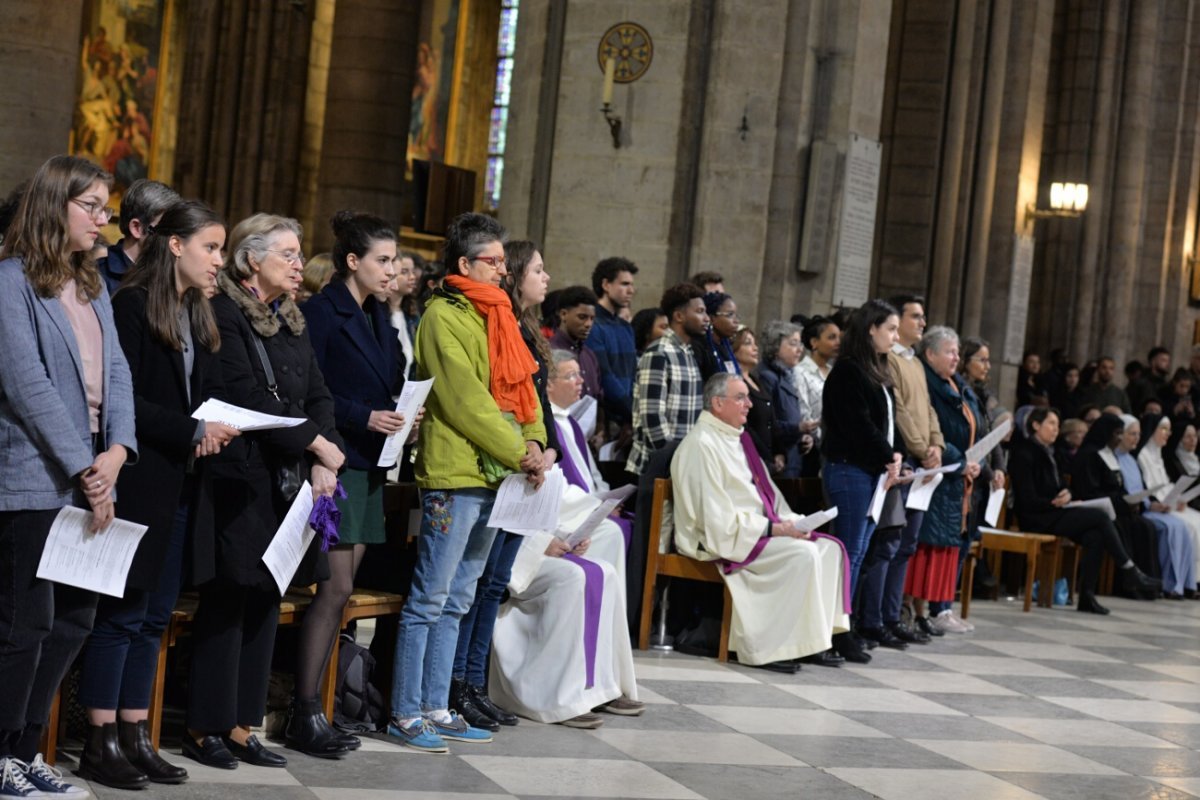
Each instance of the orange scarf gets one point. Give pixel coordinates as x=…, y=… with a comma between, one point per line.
x=511, y=363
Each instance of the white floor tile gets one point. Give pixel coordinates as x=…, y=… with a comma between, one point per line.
x=326, y=793
x=856, y=698
x=1182, y=671
x=1016, y=757
x=652, y=671
x=1165, y=691
x=1044, y=652
x=566, y=777
x=931, y=784
x=796, y=722
x=1078, y=732
x=694, y=747
x=651, y=697
x=919, y=680
x=1128, y=710
x=991, y=665
x=1189, y=785
x=1087, y=638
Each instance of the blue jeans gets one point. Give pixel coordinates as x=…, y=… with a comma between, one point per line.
x=452, y=552
x=475, y=632
x=121, y=657
x=850, y=489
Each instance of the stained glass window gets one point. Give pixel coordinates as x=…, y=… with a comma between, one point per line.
x=498, y=128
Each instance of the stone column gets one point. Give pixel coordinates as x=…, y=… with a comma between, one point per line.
x=39, y=59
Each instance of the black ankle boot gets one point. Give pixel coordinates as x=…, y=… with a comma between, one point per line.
x=104, y=762
x=1139, y=583
x=309, y=732
x=485, y=704
x=139, y=750
x=1088, y=602
x=463, y=701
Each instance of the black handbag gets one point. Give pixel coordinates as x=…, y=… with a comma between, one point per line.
x=286, y=478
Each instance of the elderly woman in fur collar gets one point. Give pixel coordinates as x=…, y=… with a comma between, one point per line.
x=267, y=365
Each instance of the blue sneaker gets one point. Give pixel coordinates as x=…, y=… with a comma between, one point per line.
x=419, y=735
x=49, y=781
x=457, y=729
x=13, y=782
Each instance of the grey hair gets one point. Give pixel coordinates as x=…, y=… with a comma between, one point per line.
x=772, y=337
x=144, y=200
x=252, y=237
x=558, y=358
x=716, y=387
x=935, y=338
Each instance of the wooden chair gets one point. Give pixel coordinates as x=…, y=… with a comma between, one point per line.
x=673, y=565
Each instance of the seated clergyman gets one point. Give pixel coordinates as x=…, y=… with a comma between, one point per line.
x=788, y=585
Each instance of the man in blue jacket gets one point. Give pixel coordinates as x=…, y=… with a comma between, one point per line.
x=612, y=339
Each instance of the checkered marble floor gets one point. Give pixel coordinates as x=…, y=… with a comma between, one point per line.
x=1051, y=704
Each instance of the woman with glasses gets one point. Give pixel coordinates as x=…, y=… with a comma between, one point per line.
x=267, y=365
x=67, y=425
x=714, y=353
x=793, y=432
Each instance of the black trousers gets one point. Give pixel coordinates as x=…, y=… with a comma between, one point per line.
x=1093, y=531
x=43, y=626
x=233, y=638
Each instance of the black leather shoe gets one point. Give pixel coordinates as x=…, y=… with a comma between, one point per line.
x=825, y=658
x=883, y=637
x=349, y=740
x=1088, y=603
x=848, y=648
x=309, y=732
x=136, y=744
x=1138, y=582
x=210, y=751
x=485, y=704
x=253, y=752
x=926, y=627
x=863, y=642
x=786, y=667
x=104, y=762
x=906, y=634
x=462, y=700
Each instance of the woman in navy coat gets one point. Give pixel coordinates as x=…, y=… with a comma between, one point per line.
x=357, y=350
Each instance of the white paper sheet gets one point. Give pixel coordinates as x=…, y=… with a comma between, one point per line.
x=608, y=503
x=814, y=521
x=291, y=541
x=1102, y=503
x=1190, y=495
x=921, y=493
x=1137, y=498
x=99, y=562
x=608, y=452
x=995, y=502
x=1174, y=496
x=877, y=499
x=412, y=397
x=988, y=443
x=923, y=473
x=520, y=508
x=212, y=410
x=584, y=411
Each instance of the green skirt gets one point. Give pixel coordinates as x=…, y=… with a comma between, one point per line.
x=362, y=510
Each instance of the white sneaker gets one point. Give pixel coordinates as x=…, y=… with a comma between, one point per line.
x=966, y=625
x=946, y=622
x=13, y=782
x=50, y=781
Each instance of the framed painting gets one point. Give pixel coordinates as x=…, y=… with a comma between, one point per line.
x=434, y=83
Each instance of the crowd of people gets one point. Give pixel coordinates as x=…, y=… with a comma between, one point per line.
x=97, y=396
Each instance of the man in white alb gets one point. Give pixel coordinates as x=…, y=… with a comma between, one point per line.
x=788, y=585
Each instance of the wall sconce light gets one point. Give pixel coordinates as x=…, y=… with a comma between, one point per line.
x=614, y=122
x=624, y=55
x=1067, y=200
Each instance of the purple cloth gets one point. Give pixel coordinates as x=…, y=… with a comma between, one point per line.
x=326, y=518
x=589, y=365
x=766, y=493
x=572, y=471
x=593, y=597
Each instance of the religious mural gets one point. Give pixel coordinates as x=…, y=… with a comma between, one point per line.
x=433, y=87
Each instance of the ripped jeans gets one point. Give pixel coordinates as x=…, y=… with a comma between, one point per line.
x=453, y=549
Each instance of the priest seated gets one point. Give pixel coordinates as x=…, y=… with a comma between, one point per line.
x=789, y=585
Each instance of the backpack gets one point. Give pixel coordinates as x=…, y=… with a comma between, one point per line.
x=357, y=704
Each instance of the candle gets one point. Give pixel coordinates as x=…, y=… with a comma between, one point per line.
x=610, y=72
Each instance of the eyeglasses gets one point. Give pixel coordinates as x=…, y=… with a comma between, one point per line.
x=495, y=262
x=289, y=256
x=95, y=210
x=731, y=315
x=741, y=397
x=570, y=376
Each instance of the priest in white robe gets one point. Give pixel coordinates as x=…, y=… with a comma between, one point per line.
x=561, y=646
x=789, y=586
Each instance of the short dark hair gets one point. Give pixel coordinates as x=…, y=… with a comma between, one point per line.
x=1134, y=367
x=899, y=301
x=608, y=270
x=813, y=328
x=643, y=322
x=1039, y=415
x=356, y=233
x=575, y=296
x=1157, y=351
x=466, y=236
x=679, y=296
x=701, y=278
x=144, y=200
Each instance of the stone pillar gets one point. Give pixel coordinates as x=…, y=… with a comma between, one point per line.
x=39, y=59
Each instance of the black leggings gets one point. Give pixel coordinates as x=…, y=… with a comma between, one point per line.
x=1095, y=533
x=323, y=618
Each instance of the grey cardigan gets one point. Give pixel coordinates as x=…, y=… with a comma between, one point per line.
x=44, y=434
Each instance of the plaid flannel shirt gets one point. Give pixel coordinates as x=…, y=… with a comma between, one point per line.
x=668, y=396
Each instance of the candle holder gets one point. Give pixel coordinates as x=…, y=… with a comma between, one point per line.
x=614, y=124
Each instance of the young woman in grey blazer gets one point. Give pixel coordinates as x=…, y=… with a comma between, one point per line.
x=66, y=429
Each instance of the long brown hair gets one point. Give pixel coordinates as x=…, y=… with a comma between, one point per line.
x=40, y=232
x=519, y=254
x=155, y=272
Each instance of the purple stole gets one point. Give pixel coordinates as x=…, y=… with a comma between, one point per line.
x=766, y=493
x=574, y=474
x=593, y=597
